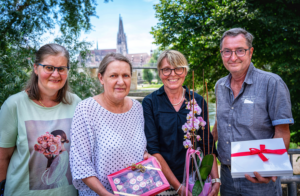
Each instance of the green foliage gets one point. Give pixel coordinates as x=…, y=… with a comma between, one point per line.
x=206, y=166
x=194, y=27
x=197, y=188
x=147, y=75
x=293, y=146
x=15, y=69
x=22, y=23
x=81, y=82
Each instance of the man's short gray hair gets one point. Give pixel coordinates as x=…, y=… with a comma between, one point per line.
x=235, y=32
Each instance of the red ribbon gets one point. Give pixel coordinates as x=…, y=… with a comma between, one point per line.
x=259, y=152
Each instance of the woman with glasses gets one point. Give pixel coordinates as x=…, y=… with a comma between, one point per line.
x=165, y=112
x=27, y=119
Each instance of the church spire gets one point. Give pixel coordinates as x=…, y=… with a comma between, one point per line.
x=121, y=39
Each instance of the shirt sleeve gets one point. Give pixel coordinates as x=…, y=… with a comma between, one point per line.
x=209, y=142
x=279, y=103
x=81, y=151
x=8, y=126
x=151, y=131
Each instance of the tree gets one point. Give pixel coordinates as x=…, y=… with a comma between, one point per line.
x=147, y=75
x=194, y=27
x=22, y=23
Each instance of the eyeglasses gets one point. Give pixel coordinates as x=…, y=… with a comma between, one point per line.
x=168, y=71
x=49, y=69
x=239, y=52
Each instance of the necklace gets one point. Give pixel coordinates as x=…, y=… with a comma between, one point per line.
x=42, y=104
x=180, y=99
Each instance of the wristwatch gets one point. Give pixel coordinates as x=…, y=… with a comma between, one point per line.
x=216, y=180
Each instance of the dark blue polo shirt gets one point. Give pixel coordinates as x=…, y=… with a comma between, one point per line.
x=163, y=129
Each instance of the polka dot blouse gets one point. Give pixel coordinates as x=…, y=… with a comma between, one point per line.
x=103, y=142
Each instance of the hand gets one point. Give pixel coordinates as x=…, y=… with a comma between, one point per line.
x=259, y=179
x=147, y=156
x=49, y=156
x=215, y=189
x=182, y=191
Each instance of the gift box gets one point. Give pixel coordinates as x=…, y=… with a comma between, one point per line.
x=268, y=157
x=143, y=178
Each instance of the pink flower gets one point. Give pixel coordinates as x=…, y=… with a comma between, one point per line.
x=56, y=139
x=42, y=150
x=198, y=138
x=39, y=140
x=197, y=110
x=190, y=115
x=53, y=148
x=49, y=144
x=202, y=122
x=185, y=128
x=44, y=144
x=37, y=147
x=187, y=144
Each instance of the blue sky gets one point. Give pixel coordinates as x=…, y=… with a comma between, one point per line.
x=138, y=18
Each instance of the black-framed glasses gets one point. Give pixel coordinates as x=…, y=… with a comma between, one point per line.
x=49, y=69
x=168, y=71
x=239, y=52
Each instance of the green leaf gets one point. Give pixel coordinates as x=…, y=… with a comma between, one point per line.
x=206, y=166
x=197, y=189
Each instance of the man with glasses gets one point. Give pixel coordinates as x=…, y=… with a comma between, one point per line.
x=251, y=104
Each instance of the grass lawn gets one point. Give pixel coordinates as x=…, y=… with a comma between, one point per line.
x=145, y=86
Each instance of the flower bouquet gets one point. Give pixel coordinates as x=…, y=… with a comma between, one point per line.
x=48, y=144
x=197, y=180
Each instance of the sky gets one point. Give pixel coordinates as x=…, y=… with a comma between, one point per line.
x=138, y=18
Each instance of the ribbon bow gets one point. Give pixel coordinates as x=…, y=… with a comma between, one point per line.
x=259, y=152
x=138, y=166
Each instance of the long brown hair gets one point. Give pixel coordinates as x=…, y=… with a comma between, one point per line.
x=32, y=88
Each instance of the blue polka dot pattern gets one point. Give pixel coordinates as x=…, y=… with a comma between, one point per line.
x=103, y=142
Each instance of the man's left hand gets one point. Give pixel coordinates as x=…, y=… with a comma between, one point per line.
x=215, y=189
x=259, y=179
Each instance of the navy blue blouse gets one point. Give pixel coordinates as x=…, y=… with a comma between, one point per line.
x=163, y=129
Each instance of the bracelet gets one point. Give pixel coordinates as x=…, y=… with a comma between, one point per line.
x=178, y=188
x=216, y=180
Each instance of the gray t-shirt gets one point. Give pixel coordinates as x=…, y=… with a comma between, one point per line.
x=262, y=103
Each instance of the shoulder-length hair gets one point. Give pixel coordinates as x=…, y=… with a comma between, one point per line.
x=32, y=88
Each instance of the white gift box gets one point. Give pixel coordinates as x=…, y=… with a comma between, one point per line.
x=276, y=165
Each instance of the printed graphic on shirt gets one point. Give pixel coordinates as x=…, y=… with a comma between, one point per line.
x=49, y=146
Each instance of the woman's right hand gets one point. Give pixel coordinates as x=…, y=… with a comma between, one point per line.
x=182, y=191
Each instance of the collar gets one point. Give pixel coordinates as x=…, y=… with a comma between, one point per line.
x=161, y=91
x=248, y=78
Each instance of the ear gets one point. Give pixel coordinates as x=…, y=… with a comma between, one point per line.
x=100, y=77
x=35, y=67
x=251, y=52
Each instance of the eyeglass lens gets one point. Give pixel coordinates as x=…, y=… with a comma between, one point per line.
x=238, y=52
x=50, y=69
x=168, y=71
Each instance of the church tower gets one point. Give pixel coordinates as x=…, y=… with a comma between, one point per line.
x=121, y=39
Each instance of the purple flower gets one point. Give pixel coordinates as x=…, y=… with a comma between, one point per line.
x=185, y=127
x=187, y=144
x=198, y=138
x=202, y=122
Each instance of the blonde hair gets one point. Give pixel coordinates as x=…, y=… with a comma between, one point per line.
x=174, y=58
